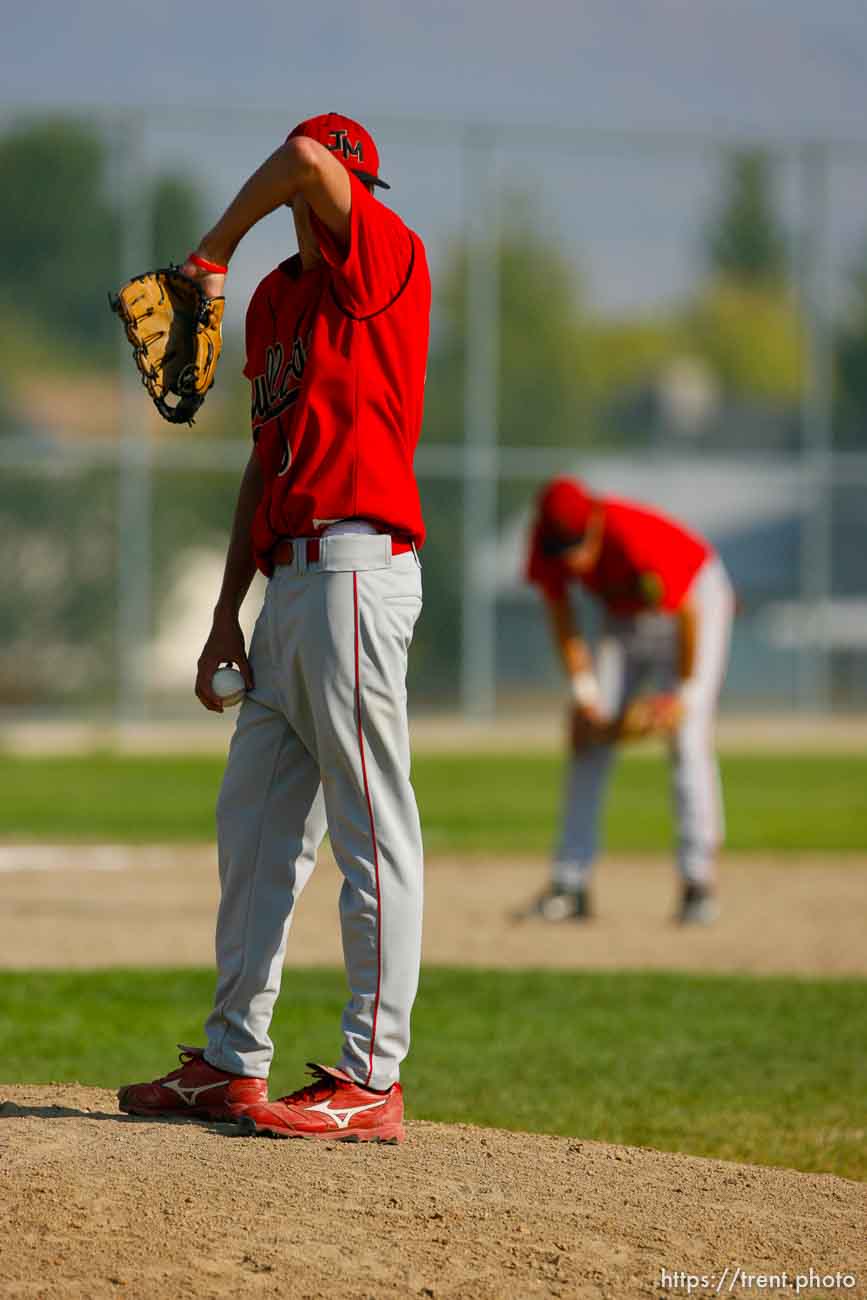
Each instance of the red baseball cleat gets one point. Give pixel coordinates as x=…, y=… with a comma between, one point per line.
x=196, y=1089
x=334, y=1107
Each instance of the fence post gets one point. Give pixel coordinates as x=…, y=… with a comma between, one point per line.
x=814, y=686
x=482, y=308
x=134, y=486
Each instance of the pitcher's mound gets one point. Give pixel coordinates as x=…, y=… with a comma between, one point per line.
x=99, y=1204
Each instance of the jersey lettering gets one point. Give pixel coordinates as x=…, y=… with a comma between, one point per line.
x=276, y=389
x=277, y=386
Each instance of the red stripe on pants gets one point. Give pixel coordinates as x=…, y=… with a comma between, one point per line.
x=372, y=827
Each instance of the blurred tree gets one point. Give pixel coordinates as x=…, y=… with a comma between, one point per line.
x=851, y=359
x=60, y=233
x=745, y=322
x=543, y=398
x=741, y=328
x=543, y=368
x=751, y=337
x=745, y=240
x=178, y=218
x=57, y=619
x=624, y=353
x=60, y=248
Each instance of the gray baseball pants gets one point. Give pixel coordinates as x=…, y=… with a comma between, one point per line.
x=322, y=741
x=640, y=653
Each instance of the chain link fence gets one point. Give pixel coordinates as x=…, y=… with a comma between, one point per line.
x=577, y=328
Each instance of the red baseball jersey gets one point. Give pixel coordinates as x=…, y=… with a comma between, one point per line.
x=336, y=359
x=646, y=561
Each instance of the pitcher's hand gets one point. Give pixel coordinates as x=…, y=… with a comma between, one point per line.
x=225, y=645
x=211, y=284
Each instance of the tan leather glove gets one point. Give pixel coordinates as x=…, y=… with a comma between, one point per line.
x=176, y=335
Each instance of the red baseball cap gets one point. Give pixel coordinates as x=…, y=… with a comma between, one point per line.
x=348, y=141
x=564, y=508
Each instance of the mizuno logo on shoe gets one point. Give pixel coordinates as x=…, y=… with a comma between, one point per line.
x=343, y=1114
x=190, y=1095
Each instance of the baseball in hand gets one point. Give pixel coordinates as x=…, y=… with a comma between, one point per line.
x=229, y=686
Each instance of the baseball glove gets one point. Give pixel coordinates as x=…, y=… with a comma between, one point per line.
x=176, y=336
x=585, y=730
x=646, y=715
x=649, y=715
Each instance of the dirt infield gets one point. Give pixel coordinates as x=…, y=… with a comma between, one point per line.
x=531, y=726
x=97, y=906
x=98, y=1204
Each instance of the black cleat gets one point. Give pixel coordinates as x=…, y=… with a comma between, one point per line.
x=698, y=905
x=557, y=905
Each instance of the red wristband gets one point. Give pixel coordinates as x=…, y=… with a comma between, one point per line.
x=204, y=265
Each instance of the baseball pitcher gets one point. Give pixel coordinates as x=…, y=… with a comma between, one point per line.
x=667, y=605
x=329, y=510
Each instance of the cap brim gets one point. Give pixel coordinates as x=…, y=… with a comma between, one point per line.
x=372, y=180
x=553, y=544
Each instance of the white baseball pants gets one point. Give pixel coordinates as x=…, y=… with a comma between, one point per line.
x=322, y=741
x=636, y=654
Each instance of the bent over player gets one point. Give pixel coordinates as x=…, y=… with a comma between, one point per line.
x=667, y=607
x=329, y=510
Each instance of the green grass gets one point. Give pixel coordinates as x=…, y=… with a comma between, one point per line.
x=470, y=803
x=771, y=1071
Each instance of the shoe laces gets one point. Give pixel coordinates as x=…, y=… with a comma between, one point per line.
x=323, y=1085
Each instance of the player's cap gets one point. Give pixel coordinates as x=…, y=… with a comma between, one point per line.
x=564, y=509
x=348, y=141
